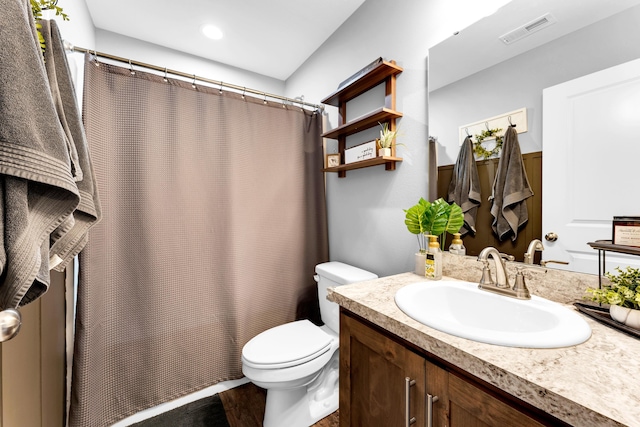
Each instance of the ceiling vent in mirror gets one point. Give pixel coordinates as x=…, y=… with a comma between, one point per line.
x=528, y=28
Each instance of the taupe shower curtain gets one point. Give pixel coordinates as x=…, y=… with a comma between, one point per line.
x=213, y=220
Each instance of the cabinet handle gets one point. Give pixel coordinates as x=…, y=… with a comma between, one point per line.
x=408, y=419
x=430, y=401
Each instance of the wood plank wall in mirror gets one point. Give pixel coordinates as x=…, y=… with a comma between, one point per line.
x=484, y=236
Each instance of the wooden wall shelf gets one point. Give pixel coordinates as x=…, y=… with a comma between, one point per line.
x=386, y=73
x=362, y=123
x=388, y=161
x=377, y=75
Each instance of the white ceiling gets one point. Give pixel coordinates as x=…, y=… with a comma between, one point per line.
x=269, y=37
x=478, y=46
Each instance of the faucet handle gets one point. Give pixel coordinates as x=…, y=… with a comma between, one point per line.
x=507, y=257
x=520, y=287
x=486, y=278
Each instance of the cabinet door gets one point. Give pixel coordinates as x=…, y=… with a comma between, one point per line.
x=471, y=407
x=437, y=388
x=373, y=385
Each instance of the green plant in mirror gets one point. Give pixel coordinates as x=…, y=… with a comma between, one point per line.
x=482, y=152
x=433, y=218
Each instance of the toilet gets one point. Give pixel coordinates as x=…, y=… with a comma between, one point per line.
x=297, y=363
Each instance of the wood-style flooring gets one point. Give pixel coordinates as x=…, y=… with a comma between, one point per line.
x=244, y=407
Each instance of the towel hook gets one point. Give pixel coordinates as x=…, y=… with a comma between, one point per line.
x=486, y=124
x=467, y=132
x=511, y=124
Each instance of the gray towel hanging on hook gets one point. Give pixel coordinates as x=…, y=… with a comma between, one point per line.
x=511, y=188
x=464, y=188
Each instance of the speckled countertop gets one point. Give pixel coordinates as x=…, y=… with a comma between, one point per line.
x=592, y=384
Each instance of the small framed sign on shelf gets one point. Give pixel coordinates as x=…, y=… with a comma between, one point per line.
x=360, y=152
x=333, y=160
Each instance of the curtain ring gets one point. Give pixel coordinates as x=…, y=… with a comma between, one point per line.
x=95, y=59
x=265, y=98
x=220, y=90
x=165, y=75
x=283, y=104
x=131, y=70
x=244, y=89
x=193, y=83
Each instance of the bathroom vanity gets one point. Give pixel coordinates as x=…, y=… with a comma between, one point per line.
x=372, y=391
x=394, y=369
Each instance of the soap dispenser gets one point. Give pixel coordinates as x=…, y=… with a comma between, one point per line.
x=433, y=260
x=457, y=248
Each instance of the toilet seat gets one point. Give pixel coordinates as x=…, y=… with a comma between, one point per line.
x=286, y=345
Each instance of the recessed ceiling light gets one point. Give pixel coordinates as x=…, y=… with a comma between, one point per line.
x=213, y=32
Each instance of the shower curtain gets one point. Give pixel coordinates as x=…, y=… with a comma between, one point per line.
x=214, y=217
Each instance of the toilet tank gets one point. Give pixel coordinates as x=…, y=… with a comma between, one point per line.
x=332, y=274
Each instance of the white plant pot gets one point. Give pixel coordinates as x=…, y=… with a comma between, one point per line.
x=628, y=316
x=384, y=152
x=420, y=264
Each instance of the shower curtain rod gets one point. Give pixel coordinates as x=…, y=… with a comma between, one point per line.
x=194, y=77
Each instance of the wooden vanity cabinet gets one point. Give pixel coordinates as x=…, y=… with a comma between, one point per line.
x=374, y=371
x=375, y=367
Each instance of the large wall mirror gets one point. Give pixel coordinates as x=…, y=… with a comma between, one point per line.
x=475, y=75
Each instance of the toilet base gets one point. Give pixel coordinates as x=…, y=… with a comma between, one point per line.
x=304, y=406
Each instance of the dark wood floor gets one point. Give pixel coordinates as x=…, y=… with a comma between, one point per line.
x=244, y=407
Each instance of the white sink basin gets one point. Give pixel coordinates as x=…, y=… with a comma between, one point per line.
x=461, y=309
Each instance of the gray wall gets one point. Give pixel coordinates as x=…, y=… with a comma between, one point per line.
x=365, y=209
x=519, y=82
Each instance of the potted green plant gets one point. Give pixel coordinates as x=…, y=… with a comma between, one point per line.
x=431, y=218
x=622, y=294
x=386, y=140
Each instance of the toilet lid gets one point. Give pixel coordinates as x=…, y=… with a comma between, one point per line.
x=287, y=345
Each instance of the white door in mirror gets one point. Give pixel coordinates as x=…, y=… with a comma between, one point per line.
x=590, y=168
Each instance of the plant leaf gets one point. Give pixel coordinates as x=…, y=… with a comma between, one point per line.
x=413, y=219
x=437, y=216
x=455, y=220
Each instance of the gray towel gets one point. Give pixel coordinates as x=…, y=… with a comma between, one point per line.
x=38, y=191
x=71, y=236
x=510, y=189
x=464, y=188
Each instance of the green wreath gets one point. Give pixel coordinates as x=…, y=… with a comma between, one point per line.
x=480, y=151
